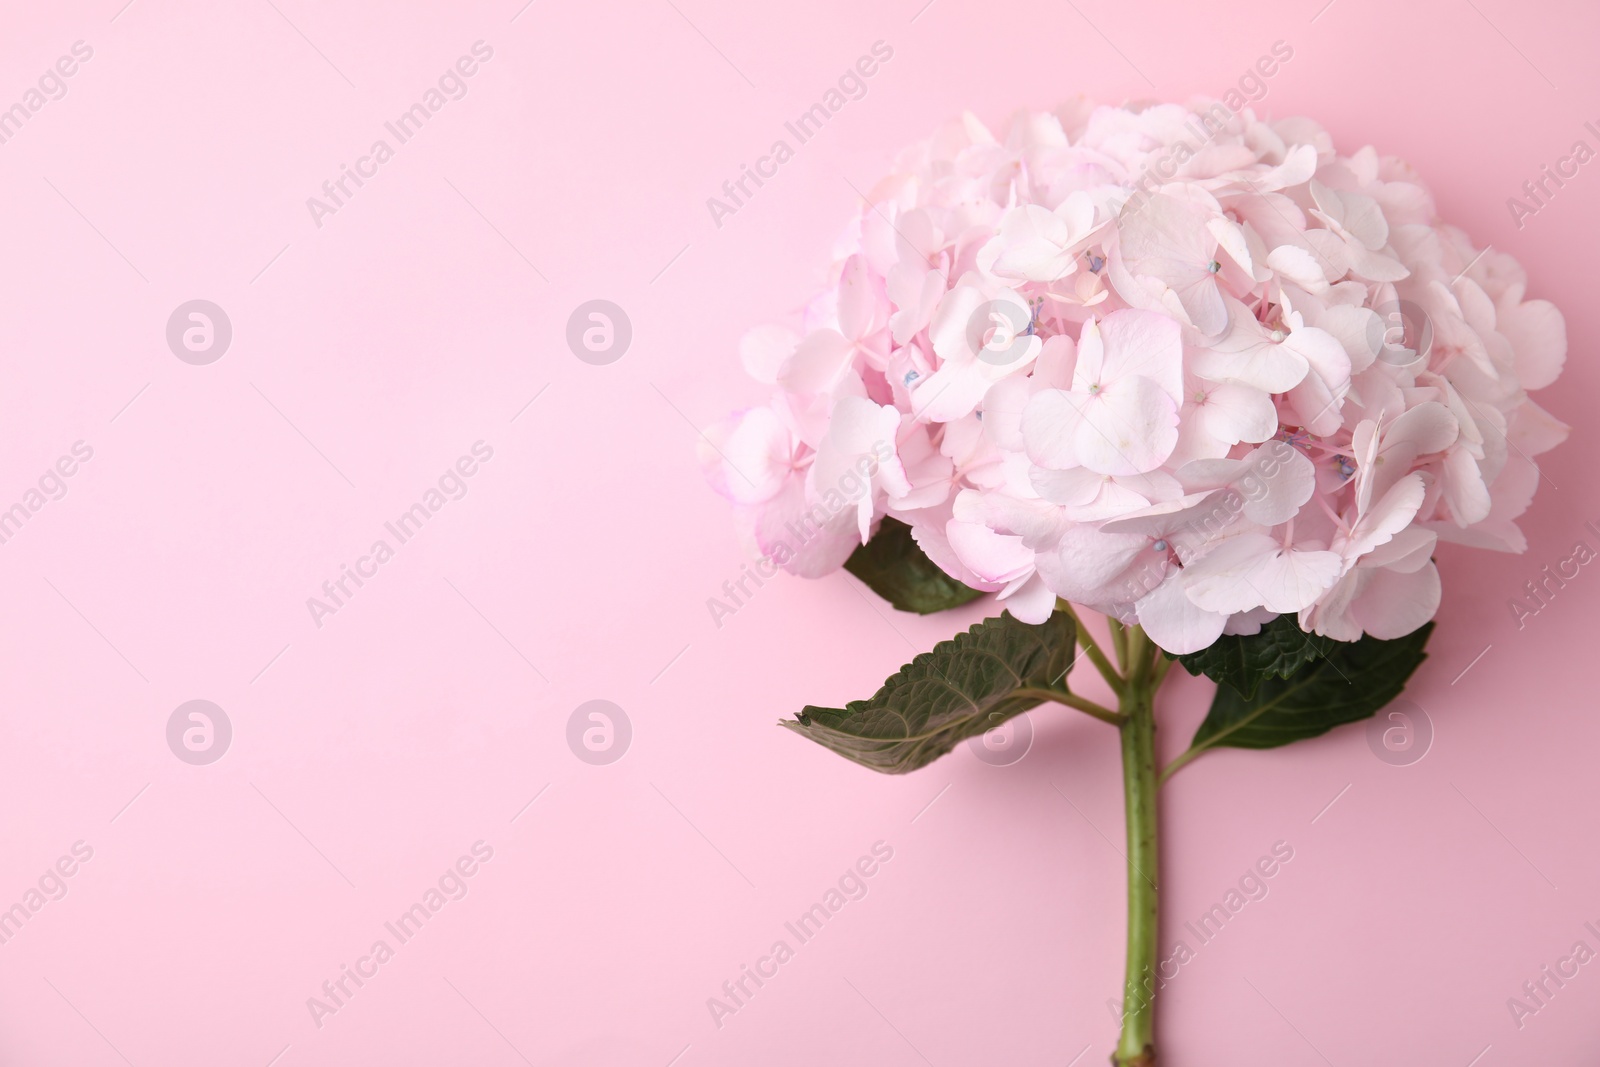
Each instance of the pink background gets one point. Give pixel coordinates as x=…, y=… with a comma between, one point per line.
x=368, y=754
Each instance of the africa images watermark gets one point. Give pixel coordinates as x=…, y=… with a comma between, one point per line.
x=452, y=885
x=452, y=485
x=851, y=886
x=1249, y=88
x=1206, y=525
x=854, y=482
x=51, y=886
x=51, y=86
x=451, y=85
x=1552, y=179
x=852, y=85
x=1539, y=592
x=1537, y=992
x=1251, y=888
x=52, y=485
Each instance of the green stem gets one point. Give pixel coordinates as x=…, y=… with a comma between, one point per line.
x=1136, y=1047
x=1119, y=641
x=1091, y=648
x=1072, y=700
x=1178, y=763
x=1159, y=672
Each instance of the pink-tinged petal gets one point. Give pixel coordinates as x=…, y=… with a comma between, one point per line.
x=1089, y=369
x=1175, y=622
x=953, y=391
x=1332, y=251
x=1406, y=551
x=749, y=456
x=948, y=328
x=1356, y=215
x=928, y=531
x=1030, y=600
x=992, y=557
x=969, y=317
x=1164, y=242
x=1392, y=514
x=1157, y=520
x=1086, y=562
x=1278, y=481
x=1538, y=336
x=1253, y=570
x=1532, y=430
x=857, y=455
x=1428, y=427
x=1248, y=623
x=914, y=291
x=1249, y=355
x=1073, y=487
x=1037, y=522
x=863, y=307
x=1391, y=605
x=1299, y=266
x=1145, y=344
x=1511, y=493
x=1464, y=488
x=1364, y=442
x=1003, y=406
x=1050, y=428
x=1359, y=330
x=1128, y=427
x=964, y=442
x=1234, y=413
x=1033, y=244
x=1330, y=615
x=1221, y=580
x=1195, y=440
x=1202, y=475
x=1298, y=166
x=1292, y=580
x=818, y=364
x=1202, y=300
x=1317, y=406
x=763, y=351
x=1323, y=354
x=1375, y=266
x=808, y=413
x=1269, y=368
x=1119, y=496
x=1056, y=364
x=805, y=539
x=1231, y=239
x=928, y=471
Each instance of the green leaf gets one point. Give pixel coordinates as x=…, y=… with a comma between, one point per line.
x=1245, y=661
x=1351, y=682
x=896, y=569
x=964, y=687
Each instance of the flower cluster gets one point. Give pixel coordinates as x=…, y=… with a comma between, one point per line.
x=1185, y=366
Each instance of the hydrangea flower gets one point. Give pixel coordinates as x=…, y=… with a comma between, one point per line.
x=1191, y=389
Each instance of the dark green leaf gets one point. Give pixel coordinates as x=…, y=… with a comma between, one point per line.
x=896, y=569
x=1279, y=650
x=1351, y=682
x=964, y=687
